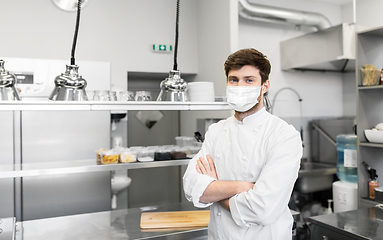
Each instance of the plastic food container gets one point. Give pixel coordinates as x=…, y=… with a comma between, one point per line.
x=162, y=155
x=370, y=75
x=193, y=151
x=180, y=141
x=145, y=155
x=127, y=156
x=98, y=156
x=179, y=153
x=109, y=157
x=185, y=141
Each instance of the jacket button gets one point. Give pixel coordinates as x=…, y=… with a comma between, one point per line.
x=219, y=214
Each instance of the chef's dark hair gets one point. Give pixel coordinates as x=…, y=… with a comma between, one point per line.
x=248, y=56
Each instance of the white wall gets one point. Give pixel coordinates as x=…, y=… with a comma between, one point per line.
x=119, y=32
x=369, y=13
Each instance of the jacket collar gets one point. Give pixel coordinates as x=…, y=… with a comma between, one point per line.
x=255, y=118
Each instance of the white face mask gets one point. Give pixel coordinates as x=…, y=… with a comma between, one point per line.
x=242, y=99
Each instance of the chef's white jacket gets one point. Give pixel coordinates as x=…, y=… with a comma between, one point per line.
x=262, y=149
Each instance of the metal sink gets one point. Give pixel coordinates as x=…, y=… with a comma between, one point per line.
x=314, y=176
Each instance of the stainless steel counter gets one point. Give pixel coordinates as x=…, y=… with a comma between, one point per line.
x=119, y=224
x=366, y=223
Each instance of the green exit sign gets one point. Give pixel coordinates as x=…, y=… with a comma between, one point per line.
x=162, y=48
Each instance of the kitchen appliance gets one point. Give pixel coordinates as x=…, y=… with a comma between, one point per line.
x=70, y=86
x=174, y=87
x=331, y=49
x=345, y=196
x=8, y=91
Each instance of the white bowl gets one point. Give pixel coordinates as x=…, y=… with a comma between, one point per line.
x=374, y=135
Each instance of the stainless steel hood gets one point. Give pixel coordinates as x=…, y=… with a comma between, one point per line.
x=331, y=49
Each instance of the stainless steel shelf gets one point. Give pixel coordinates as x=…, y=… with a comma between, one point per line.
x=370, y=87
x=368, y=144
x=377, y=31
x=368, y=202
x=108, y=106
x=79, y=166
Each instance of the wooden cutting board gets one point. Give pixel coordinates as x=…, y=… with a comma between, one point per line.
x=176, y=219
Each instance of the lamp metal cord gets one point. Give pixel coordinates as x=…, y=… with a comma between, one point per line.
x=177, y=33
x=72, y=60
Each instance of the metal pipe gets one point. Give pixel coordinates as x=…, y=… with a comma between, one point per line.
x=324, y=134
x=281, y=15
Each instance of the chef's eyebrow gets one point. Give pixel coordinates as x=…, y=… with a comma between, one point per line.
x=235, y=77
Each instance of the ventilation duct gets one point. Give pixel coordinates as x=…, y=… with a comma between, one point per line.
x=282, y=16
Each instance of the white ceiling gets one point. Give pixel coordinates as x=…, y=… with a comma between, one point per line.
x=336, y=2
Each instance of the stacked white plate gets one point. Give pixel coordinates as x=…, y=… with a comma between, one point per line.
x=201, y=91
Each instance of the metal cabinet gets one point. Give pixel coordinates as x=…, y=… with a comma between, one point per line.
x=360, y=224
x=321, y=233
x=7, y=157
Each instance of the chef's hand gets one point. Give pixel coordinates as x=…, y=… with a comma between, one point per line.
x=244, y=186
x=206, y=168
x=225, y=204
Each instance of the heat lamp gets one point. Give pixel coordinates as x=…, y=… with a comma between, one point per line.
x=8, y=91
x=70, y=86
x=174, y=88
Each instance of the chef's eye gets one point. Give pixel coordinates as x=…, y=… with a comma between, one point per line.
x=233, y=80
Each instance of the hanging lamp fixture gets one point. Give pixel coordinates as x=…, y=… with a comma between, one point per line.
x=174, y=88
x=70, y=86
x=8, y=91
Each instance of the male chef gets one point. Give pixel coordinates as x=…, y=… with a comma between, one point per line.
x=248, y=163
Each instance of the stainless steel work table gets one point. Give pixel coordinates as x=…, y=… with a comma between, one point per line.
x=365, y=223
x=118, y=224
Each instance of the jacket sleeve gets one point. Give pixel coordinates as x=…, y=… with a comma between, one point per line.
x=266, y=202
x=195, y=183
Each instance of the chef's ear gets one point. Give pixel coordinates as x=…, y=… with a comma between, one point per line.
x=265, y=86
